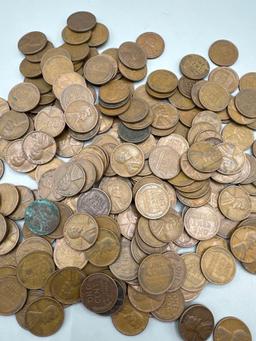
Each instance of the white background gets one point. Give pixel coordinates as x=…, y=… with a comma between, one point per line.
x=187, y=26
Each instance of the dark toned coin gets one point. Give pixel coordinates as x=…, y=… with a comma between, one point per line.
x=81, y=21
x=31, y=70
x=99, y=293
x=32, y=42
x=42, y=217
x=196, y=323
x=133, y=136
x=95, y=202
x=121, y=287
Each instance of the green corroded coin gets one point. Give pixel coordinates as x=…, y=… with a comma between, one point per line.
x=42, y=217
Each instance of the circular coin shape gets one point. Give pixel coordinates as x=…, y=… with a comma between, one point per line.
x=127, y=160
x=44, y=317
x=132, y=55
x=55, y=66
x=100, y=69
x=32, y=42
x=155, y=274
x=242, y=243
x=11, y=239
x=13, y=295
x=65, y=256
x=194, y=280
x=194, y=66
x=3, y=227
x=151, y=43
x=50, y=120
x=162, y=81
x=130, y=321
x=214, y=96
x=42, y=217
x=164, y=162
x=202, y=329
x=39, y=147
x=9, y=199
x=202, y=223
x=231, y=328
x=234, y=203
x=172, y=307
x=81, y=21
x=152, y=201
x=13, y=125
x=95, y=202
x=179, y=270
x=24, y=97
x=143, y=301
x=245, y=102
x=218, y=265
x=32, y=244
x=80, y=231
x=34, y=269
x=99, y=292
x=223, y=53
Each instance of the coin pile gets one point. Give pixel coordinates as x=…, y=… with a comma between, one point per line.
x=114, y=165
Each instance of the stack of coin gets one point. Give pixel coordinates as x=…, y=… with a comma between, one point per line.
x=111, y=219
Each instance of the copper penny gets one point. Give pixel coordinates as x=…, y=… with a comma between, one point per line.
x=81, y=21
x=24, y=97
x=242, y=244
x=132, y=55
x=214, y=96
x=50, y=120
x=230, y=328
x=223, y=53
x=13, y=295
x=194, y=66
x=32, y=42
x=151, y=43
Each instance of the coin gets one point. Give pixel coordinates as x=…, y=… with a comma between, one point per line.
x=98, y=292
x=132, y=55
x=203, y=327
x=247, y=81
x=123, y=319
x=226, y=77
x=34, y=268
x=81, y=21
x=217, y=102
x=234, y=203
x=44, y=316
x=194, y=66
x=64, y=80
x=32, y=42
x=194, y=280
x=75, y=92
x=42, y=217
x=24, y=97
x=246, y=103
x=55, y=66
x=50, y=120
x=65, y=256
x=231, y=327
x=26, y=197
x=32, y=244
x=13, y=295
x=240, y=136
x=95, y=202
x=164, y=162
x=172, y=307
x=127, y=221
x=143, y=301
x=151, y=43
x=223, y=53
x=179, y=270
x=242, y=244
x=80, y=231
x=100, y=69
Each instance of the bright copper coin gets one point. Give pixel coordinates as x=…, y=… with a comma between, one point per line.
x=231, y=328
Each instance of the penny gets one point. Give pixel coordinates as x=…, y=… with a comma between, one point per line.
x=24, y=97
x=168, y=228
x=137, y=111
x=246, y=103
x=100, y=69
x=223, y=53
x=151, y=43
x=164, y=162
x=162, y=81
x=42, y=217
x=28, y=69
x=127, y=221
x=105, y=250
x=165, y=116
x=36, y=57
x=119, y=192
x=194, y=280
x=32, y=42
x=143, y=301
x=146, y=235
x=132, y=55
x=214, y=96
x=50, y=120
x=230, y=328
x=81, y=21
x=32, y=244
x=236, y=115
x=67, y=146
x=171, y=308
x=176, y=142
x=11, y=238
x=185, y=86
x=208, y=117
x=64, y=80
x=99, y=292
x=13, y=125
x=125, y=268
x=3, y=228
x=65, y=285
x=210, y=157
x=34, y=268
x=242, y=244
x=123, y=319
x=95, y=202
x=75, y=38
x=133, y=136
x=218, y=265
x=77, y=52
x=194, y=66
x=179, y=270
x=80, y=231
x=152, y=201
x=202, y=329
x=114, y=92
x=233, y=158
x=248, y=81
x=201, y=223
x=12, y=295
x=26, y=197
x=127, y=160
x=65, y=256
x=204, y=245
x=44, y=316
x=9, y=199
x=234, y=203
x=226, y=77
x=99, y=35
x=55, y=66
x=155, y=274
x=75, y=92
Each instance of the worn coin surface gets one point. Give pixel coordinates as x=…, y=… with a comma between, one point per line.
x=13, y=295
x=95, y=202
x=223, y=53
x=151, y=43
x=164, y=162
x=65, y=256
x=242, y=244
x=194, y=280
x=194, y=66
x=231, y=328
x=172, y=307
